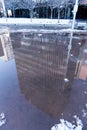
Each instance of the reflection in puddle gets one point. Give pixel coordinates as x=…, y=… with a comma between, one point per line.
x=45, y=78
x=83, y=67
x=42, y=68
x=41, y=75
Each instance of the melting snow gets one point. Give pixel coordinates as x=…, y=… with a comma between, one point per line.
x=2, y=119
x=79, y=43
x=71, y=55
x=84, y=113
x=86, y=105
x=34, y=21
x=66, y=80
x=39, y=35
x=85, y=50
x=85, y=61
x=65, y=125
x=85, y=92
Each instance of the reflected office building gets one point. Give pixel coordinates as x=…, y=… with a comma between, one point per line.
x=6, y=52
x=44, y=74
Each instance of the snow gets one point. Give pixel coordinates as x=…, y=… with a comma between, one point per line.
x=33, y=21
x=79, y=43
x=2, y=119
x=85, y=92
x=39, y=23
x=39, y=30
x=85, y=50
x=84, y=113
x=86, y=105
x=39, y=35
x=65, y=125
x=36, y=22
x=85, y=61
x=71, y=54
x=66, y=80
x=42, y=21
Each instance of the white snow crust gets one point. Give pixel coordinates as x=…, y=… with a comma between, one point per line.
x=65, y=125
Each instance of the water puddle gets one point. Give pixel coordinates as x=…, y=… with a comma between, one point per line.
x=38, y=86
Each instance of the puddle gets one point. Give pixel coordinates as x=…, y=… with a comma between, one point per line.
x=37, y=85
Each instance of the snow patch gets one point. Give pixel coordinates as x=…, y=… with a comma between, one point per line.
x=85, y=50
x=85, y=92
x=86, y=105
x=35, y=21
x=65, y=125
x=2, y=119
x=84, y=113
x=25, y=43
x=39, y=35
x=79, y=43
x=71, y=54
x=66, y=80
x=85, y=61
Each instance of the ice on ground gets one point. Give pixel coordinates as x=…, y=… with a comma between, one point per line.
x=39, y=35
x=79, y=43
x=86, y=105
x=85, y=61
x=84, y=112
x=85, y=50
x=85, y=92
x=2, y=119
x=71, y=55
x=65, y=125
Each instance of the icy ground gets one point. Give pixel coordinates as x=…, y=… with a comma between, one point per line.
x=65, y=125
x=2, y=119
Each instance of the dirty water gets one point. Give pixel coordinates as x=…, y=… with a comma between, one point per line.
x=37, y=84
